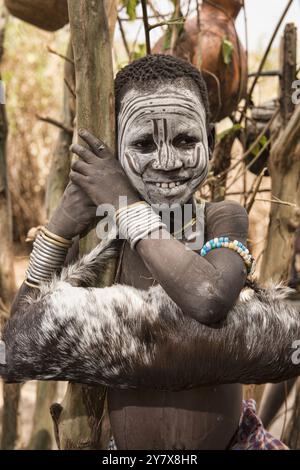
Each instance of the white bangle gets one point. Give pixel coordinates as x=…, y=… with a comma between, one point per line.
x=137, y=222
x=46, y=258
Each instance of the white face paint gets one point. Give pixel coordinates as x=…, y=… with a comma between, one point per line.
x=162, y=142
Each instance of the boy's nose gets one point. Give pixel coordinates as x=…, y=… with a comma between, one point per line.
x=168, y=159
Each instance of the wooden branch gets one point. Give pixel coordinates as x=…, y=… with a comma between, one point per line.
x=277, y=201
x=124, y=39
x=146, y=26
x=288, y=71
x=265, y=56
x=221, y=163
x=55, y=123
x=156, y=13
x=247, y=167
x=175, y=21
x=71, y=90
x=254, y=190
x=240, y=193
x=199, y=38
x=250, y=149
x=64, y=57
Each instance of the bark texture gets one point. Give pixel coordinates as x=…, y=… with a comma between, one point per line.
x=11, y=392
x=81, y=420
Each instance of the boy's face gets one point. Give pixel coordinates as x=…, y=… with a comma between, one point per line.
x=162, y=142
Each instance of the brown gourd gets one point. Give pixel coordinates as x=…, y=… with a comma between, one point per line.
x=223, y=57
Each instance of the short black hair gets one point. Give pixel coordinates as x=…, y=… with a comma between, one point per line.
x=159, y=68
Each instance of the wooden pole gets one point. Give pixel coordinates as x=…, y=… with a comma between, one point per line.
x=11, y=392
x=285, y=173
x=288, y=71
x=284, y=167
x=81, y=421
x=42, y=431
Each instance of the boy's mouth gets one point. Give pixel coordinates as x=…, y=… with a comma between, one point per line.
x=168, y=188
x=167, y=184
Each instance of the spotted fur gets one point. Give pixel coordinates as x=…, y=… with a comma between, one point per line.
x=124, y=337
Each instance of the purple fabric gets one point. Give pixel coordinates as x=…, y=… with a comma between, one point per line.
x=251, y=434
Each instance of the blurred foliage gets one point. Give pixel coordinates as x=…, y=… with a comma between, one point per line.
x=227, y=51
x=178, y=25
x=139, y=52
x=234, y=129
x=33, y=86
x=130, y=6
x=262, y=143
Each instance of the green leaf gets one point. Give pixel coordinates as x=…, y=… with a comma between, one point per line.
x=232, y=130
x=140, y=52
x=130, y=6
x=227, y=50
x=262, y=142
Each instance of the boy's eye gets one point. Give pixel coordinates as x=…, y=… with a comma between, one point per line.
x=144, y=145
x=185, y=141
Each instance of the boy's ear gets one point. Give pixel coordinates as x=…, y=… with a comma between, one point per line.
x=211, y=139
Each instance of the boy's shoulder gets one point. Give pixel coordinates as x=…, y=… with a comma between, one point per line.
x=226, y=218
x=227, y=206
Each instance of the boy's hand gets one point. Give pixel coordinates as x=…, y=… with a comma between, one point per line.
x=74, y=214
x=99, y=174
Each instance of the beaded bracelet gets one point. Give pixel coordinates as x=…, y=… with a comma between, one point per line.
x=235, y=245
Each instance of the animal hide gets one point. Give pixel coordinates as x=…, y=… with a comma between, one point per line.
x=124, y=337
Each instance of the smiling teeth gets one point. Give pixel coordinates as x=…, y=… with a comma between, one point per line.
x=169, y=185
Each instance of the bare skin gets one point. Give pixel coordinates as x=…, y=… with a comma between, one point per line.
x=208, y=416
x=205, y=289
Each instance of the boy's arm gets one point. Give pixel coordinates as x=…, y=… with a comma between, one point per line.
x=204, y=288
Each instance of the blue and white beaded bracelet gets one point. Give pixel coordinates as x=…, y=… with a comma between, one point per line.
x=235, y=245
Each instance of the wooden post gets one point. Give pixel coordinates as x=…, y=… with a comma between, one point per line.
x=284, y=167
x=80, y=421
x=11, y=392
x=42, y=431
x=60, y=166
x=285, y=173
x=288, y=71
x=291, y=436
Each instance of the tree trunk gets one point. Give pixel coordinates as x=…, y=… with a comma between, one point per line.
x=42, y=430
x=284, y=166
x=60, y=166
x=285, y=173
x=11, y=392
x=81, y=421
x=292, y=434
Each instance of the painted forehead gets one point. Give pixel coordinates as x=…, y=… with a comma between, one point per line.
x=175, y=100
